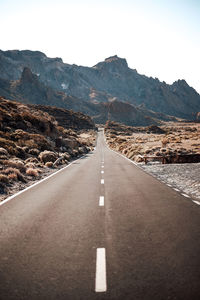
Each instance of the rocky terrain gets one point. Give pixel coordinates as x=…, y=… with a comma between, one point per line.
x=28, y=89
x=168, y=143
x=100, y=91
x=35, y=141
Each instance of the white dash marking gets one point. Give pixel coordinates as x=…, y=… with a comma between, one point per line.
x=100, y=280
x=102, y=172
x=102, y=181
x=101, y=201
x=177, y=190
x=197, y=202
x=102, y=166
x=169, y=185
x=185, y=195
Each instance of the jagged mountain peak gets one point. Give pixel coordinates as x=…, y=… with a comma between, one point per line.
x=113, y=64
x=20, y=54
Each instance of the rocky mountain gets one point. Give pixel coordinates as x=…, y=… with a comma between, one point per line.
x=30, y=90
x=90, y=87
x=129, y=114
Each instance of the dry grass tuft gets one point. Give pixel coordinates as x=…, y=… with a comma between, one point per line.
x=17, y=164
x=30, y=165
x=13, y=176
x=164, y=142
x=32, y=172
x=49, y=164
x=15, y=171
x=4, y=178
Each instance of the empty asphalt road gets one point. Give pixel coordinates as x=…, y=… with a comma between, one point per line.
x=100, y=229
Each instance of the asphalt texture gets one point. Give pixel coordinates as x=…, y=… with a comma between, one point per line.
x=49, y=235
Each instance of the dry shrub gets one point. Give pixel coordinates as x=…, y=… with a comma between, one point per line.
x=164, y=142
x=67, y=156
x=32, y=172
x=15, y=171
x=5, y=143
x=20, y=152
x=32, y=160
x=3, y=151
x=4, y=178
x=15, y=164
x=177, y=140
x=30, y=144
x=34, y=151
x=30, y=165
x=47, y=156
x=61, y=129
x=12, y=176
x=49, y=164
x=10, y=171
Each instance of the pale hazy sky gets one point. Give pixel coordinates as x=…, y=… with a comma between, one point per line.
x=159, y=38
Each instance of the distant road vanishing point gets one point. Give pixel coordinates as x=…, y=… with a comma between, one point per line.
x=100, y=229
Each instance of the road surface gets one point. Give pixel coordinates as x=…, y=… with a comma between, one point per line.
x=100, y=229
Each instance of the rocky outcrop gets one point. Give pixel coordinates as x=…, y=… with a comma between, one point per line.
x=68, y=118
x=30, y=90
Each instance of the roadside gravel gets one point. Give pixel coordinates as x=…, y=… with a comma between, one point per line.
x=185, y=177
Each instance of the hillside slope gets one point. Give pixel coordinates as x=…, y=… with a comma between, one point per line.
x=33, y=142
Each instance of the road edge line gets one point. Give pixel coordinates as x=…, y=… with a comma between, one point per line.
x=38, y=182
x=135, y=164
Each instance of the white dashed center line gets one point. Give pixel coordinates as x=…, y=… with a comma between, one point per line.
x=100, y=280
x=197, y=202
x=101, y=201
x=102, y=181
x=177, y=190
x=185, y=195
x=102, y=172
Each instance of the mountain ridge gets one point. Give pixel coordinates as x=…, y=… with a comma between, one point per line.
x=29, y=90
x=107, y=81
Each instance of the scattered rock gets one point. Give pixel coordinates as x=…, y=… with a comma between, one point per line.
x=155, y=129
